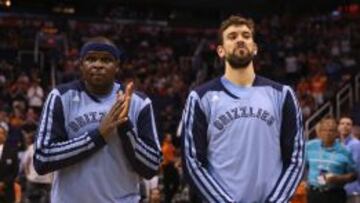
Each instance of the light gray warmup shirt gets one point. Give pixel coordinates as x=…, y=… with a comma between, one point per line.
x=243, y=144
x=88, y=169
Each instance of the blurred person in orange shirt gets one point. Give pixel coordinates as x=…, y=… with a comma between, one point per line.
x=300, y=194
x=303, y=87
x=170, y=173
x=318, y=87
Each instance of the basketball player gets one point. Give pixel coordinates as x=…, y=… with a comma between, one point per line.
x=97, y=140
x=242, y=133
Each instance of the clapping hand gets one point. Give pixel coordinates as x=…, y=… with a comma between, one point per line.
x=118, y=113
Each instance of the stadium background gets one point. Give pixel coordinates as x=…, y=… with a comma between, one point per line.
x=169, y=47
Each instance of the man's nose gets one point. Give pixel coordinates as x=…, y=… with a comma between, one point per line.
x=98, y=64
x=240, y=41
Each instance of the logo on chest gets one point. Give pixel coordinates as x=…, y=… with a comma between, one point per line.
x=244, y=112
x=87, y=118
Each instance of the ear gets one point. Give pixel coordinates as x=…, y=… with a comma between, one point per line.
x=220, y=51
x=255, y=49
x=117, y=64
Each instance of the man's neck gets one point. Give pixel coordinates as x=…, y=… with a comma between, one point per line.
x=328, y=144
x=344, y=137
x=243, y=76
x=100, y=91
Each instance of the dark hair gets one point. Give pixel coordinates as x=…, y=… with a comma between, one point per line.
x=100, y=39
x=235, y=20
x=346, y=115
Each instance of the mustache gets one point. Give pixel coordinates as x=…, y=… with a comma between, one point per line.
x=241, y=47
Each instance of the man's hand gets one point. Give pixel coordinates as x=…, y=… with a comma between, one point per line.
x=118, y=113
x=340, y=179
x=123, y=116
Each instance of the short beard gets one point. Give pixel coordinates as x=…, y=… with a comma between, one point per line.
x=237, y=62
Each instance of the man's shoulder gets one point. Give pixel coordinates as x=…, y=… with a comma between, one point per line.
x=138, y=95
x=65, y=87
x=140, y=99
x=212, y=85
x=141, y=95
x=341, y=148
x=354, y=144
x=261, y=81
x=313, y=144
x=354, y=141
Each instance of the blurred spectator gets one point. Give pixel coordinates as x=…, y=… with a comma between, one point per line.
x=300, y=193
x=356, y=131
x=32, y=115
x=330, y=166
x=303, y=86
x=318, y=50
x=292, y=68
x=150, y=185
x=9, y=166
x=307, y=104
x=35, y=94
x=332, y=69
x=353, y=145
x=155, y=196
x=17, y=117
x=37, y=186
x=170, y=173
x=318, y=87
x=4, y=118
x=20, y=87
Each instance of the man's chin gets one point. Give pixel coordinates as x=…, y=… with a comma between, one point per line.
x=100, y=82
x=240, y=63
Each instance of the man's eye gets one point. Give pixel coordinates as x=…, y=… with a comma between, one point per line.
x=106, y=60
x=232, y=37
x=90, y=59
x=246, y=35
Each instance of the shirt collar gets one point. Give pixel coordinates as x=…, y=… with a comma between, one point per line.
x=347, y=139
x=333, y=147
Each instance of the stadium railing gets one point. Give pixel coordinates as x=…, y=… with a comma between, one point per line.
x=344, y=101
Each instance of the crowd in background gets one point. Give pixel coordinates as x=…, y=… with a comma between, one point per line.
x=316, y=55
